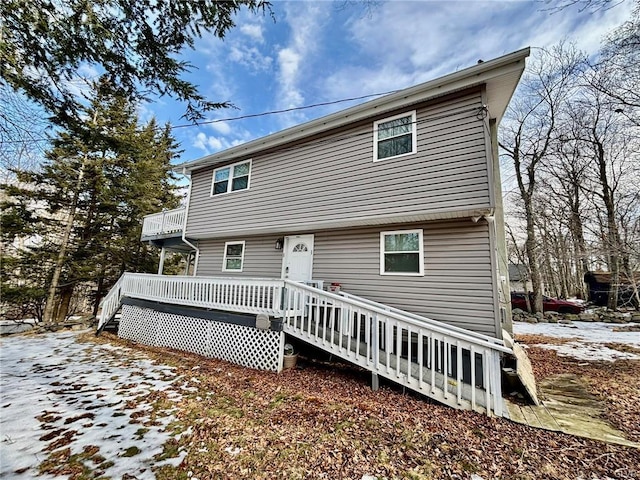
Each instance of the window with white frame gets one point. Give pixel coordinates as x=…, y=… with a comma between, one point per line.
x=394, y=136
x=401, y=253
x=233, y=257
x=231, y=178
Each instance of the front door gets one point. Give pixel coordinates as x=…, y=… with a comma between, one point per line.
x=297, y=262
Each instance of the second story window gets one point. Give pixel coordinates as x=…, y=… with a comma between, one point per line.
x=394, y=136
x=231, y=178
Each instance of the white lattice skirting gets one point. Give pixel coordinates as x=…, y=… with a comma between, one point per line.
x=246, y=346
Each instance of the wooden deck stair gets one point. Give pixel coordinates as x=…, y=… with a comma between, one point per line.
x=397, y=368
x=350, y=333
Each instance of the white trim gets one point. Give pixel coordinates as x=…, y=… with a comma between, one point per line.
x=184, y=230
x=231, y=168
x=414, y=141
x=420, y=273
x=224, y=257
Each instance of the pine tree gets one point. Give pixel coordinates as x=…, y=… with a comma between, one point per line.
x=87, y=202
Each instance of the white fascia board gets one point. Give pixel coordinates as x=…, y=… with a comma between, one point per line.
x=479, y=74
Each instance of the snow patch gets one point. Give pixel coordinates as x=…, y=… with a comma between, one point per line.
x=91, y=393
x=588, y=339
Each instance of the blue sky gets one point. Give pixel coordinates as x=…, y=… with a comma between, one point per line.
x=322, y=51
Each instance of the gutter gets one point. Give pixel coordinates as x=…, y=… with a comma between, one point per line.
x=184, y=226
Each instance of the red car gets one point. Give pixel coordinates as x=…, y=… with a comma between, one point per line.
x=518, y=300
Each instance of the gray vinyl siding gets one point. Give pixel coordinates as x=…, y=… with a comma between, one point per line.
x=261, y=259
x=334, y=178
x=456, y=287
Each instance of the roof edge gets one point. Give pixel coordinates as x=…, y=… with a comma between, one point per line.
x=467, y=77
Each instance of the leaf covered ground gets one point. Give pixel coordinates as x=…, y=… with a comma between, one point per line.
x=616, y=383
x=171, y=415
x=323, y=421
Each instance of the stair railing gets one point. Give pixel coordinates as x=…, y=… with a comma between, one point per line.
x=423, y=319
x=457, y=368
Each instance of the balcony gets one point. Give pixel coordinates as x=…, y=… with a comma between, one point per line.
x=167, y=224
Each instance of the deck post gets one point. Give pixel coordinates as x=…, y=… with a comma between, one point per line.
x=161, y=264
x=188, y=263
x=375, y=382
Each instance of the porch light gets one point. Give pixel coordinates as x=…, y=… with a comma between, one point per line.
x=279, y=243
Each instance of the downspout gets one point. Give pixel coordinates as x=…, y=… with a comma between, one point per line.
x=184, y=225
x=495, y=275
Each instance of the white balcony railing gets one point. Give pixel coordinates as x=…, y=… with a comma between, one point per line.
x=163, y=223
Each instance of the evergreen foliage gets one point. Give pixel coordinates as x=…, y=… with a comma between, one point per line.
x=98, y=186
x=44, y=44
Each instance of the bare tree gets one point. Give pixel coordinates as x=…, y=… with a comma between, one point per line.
x=616, y=74
x=23, y=128
x=589, y=6
x=529, y=132
x=610, y=148
x=565, y=177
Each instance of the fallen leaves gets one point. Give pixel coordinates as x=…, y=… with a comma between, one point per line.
x=617, y=383
x=323, y=421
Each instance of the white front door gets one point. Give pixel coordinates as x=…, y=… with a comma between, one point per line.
x=297, y=262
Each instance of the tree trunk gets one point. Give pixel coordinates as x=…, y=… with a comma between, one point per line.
x=63, y=305
x=532, y=257
x=614, y=241
x=48, y=315
x=49, y=309
x=96, y=301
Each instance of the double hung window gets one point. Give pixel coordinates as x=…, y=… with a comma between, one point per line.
x=231, y=178
x=395, y=136
x=401, y=253
x=233, y=257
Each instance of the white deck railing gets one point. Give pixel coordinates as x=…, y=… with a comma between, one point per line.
x=170, y=221
x=245, y=295
x=459, y=369
x=454, y=366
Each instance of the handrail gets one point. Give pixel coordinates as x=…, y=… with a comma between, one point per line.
x=443, y=328
x=422, y=319
x=110, y=304
x=169, y=221
x=458, y=369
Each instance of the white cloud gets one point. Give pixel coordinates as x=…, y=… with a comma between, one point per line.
x=226, y=136
x=254, y=31
x=405, y=43
x=306, y=21
x=289, y=62
x=221, y=127
x=250, y=57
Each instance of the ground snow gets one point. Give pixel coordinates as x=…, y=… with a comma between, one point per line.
x=588, y=339
x=55, y=374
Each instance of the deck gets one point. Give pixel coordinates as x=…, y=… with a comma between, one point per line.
x=454, y=366
x=163, y=225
